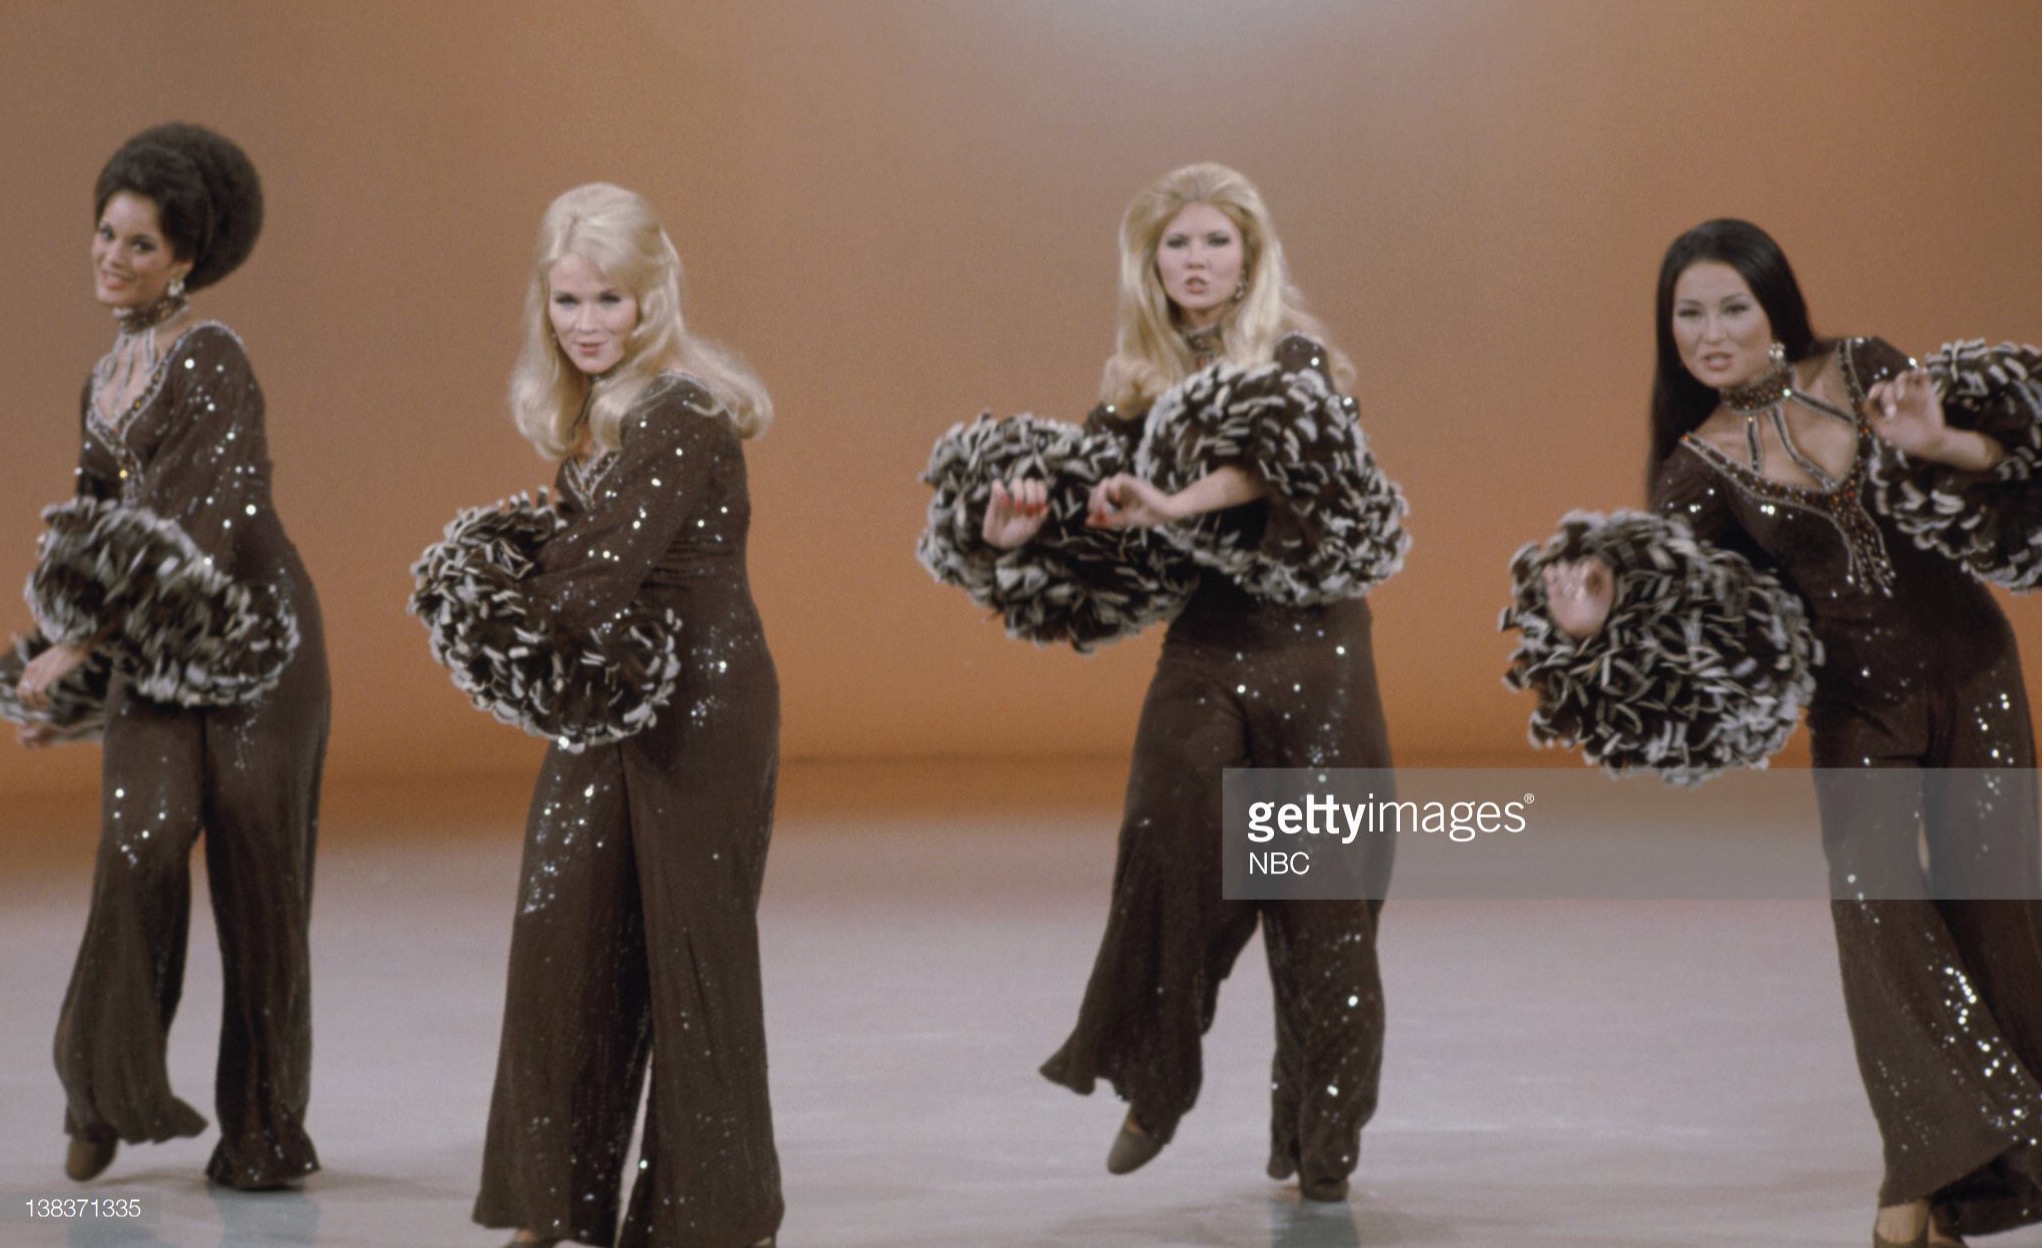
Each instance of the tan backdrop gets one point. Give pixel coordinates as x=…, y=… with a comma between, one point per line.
x=903, y=212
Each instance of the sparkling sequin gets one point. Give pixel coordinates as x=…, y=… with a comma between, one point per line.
x=1919, y=673
x=187, y=442
x=643, y=864
x=1240, y=682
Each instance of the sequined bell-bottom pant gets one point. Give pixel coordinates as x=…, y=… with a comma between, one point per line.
x=636, y=942
x=1257, y=686
x=1943, y=989
x=247, y=778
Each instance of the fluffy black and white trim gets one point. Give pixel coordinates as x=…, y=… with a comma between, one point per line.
x=1704, y=663
x=1335, y=524
x=77, y=709
x=1070, y=584
x=122, y=578
x=579, y=687
x=1991, y=522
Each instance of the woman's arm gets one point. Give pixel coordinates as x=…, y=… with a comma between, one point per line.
x=154, y=576
x=1125, y=501
x=1907, y=414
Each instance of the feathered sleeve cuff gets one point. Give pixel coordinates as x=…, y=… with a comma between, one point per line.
x=1334, y=526
x=579, y=686
x=1704, y=663
x=1991, y=522
x=77, y=709
x=1071, y=584
x=122, y=579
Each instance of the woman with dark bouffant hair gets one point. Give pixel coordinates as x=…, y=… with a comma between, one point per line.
x=174, y=619
x=1223, y=484
x=617, y=620
x=1825, y=517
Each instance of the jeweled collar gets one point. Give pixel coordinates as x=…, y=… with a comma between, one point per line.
x=1775, y=385
x=1206, y=343
x=150, y=315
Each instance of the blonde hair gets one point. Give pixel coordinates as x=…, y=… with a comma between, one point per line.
x=617, y=231
x=1149, y=352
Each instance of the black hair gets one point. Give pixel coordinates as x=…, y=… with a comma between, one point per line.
x=1679, y=401
x=207, y=195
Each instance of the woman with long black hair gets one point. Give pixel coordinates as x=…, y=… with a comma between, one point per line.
x=1824, y=513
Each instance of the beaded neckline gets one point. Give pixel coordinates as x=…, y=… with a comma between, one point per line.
x=1775, y=385
x=1206, y=342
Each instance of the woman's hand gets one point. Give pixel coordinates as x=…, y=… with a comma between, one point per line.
x=1579, y=594
x=1907, y=414
x=43, y=674
x=1123, y=501
x=1015, y=514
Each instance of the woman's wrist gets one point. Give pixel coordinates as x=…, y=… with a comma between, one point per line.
x=1967, y=450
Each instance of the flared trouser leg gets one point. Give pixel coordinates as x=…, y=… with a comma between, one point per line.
x=1170, y=936
x=1318, y=705
x=262, y=818
x=113, y=1032
x=1329, y=1034
x=1942, y=979
x=576, y=1026
x=702, y=822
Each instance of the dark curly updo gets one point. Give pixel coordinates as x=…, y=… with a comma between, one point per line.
x=207, y=195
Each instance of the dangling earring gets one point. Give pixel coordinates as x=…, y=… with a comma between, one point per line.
x=1241, y=289
x=176, y=290
x=1777, y=353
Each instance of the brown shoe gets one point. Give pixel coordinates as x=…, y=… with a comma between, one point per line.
x=90, y=1153
x=1132, y=1148
x=1331, y=1191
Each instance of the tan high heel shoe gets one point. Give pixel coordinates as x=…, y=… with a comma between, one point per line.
x=1920, y=1238
x=89, y=1154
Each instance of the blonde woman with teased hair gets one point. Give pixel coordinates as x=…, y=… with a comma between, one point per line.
x=1223, y=484
x=1153, y=351
x=618, y=621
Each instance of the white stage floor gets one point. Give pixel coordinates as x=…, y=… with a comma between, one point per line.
x=1557, y=1074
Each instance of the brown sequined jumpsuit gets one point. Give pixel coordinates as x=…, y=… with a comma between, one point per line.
x=1241, y=683
x=1920, y=672
x=636, y=936
x=191, y=448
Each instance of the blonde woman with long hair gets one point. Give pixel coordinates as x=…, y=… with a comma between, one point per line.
x=1223, y=484
x=617, y=620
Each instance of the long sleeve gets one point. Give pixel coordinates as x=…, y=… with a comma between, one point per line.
x=96, y=475
x=78, y=702
x=547, y=617
x=1704, y=662
x=1071, y=584
x=1990, y=522
x=1331, y=526
x=154, y=572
